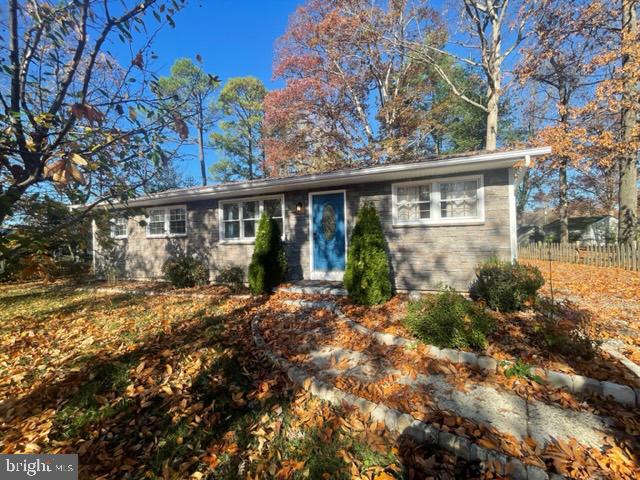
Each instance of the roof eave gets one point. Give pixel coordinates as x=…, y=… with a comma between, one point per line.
x=333, y=179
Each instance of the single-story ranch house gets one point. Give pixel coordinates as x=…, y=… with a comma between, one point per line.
x=441, y=217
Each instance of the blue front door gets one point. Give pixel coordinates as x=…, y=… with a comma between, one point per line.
x=328, y=235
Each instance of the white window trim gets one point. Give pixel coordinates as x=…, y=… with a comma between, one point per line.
x=167, y=233
x=435, y=219
x=260, y=201
x=112, y=223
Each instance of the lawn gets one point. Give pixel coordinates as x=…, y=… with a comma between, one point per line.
x=172, y=387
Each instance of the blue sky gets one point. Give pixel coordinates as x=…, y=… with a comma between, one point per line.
x=234, y=38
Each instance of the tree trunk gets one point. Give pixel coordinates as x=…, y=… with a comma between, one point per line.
x=491, y=139
x=563, y=203
x=628, y=196
x=494, y=81
x=203, y=168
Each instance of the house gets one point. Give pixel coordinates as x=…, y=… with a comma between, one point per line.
x=441, y=217
x=598, y=230
x=530, y=234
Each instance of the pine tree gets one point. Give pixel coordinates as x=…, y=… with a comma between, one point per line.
x=367, y=277
x=268, y=264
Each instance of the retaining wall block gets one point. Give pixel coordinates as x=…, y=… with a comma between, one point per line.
x=559, y=379
x=391, y=419
x=488, y=364
x=447, y=441
x=404, y=423
x=586, y=385
x=434, y=352
x=516, y=469
x=469, y=358
x=476, y=452
x=621, y=393
x=499, y=459
x=385, y=338
x=450, y=354
x=536, y=473
x=364, y=405
x=379, y=413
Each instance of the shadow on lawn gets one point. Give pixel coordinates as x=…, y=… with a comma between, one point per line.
x=158, y=431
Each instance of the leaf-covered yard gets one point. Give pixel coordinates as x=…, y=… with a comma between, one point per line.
x=171, y=387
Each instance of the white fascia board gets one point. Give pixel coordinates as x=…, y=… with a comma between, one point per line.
x=486, y=161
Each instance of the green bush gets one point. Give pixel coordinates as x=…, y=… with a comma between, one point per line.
x=367, y=277
x=448, y=320
x=232, y=276
x=506, y=286
x=185, y=271
x=268, y=266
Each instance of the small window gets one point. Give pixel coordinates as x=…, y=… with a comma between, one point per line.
x=177, y=221
x=168, y=221
x=231, y=219
x=156, y=222
x=438, y=201
x=240, y=218
x=119, y=227
x=273, y=207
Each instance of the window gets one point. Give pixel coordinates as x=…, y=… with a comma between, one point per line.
x=432, y=202
x=240, y=217
x=168, y=221
x=459, y=199
x=177, y=221
x=119, y=227
x=413, y=203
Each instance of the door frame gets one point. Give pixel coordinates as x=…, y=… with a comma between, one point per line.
x=333, y=275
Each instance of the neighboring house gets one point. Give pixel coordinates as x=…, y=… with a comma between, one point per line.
x=441, y=217
x=600, y=230
x=530, y=234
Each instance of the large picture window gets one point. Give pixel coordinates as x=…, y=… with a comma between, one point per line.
x=443, y=201
x=240, y=217
x=167, y=221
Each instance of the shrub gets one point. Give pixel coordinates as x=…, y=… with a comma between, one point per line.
x=448, y=320
x=367, y=277
x=268, y=266
x=506, y=286
x=232, y=276
x=185, y=271
x=563, y=329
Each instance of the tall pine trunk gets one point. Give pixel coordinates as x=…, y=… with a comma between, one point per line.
x=628, y=196
x=203, y=167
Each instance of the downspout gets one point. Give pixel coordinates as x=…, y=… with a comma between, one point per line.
x=514, y=184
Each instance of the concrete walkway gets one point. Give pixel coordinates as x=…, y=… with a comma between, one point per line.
x=506, y=412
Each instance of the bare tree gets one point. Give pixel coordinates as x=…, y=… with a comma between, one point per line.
x=486, y=24
x=628, y=193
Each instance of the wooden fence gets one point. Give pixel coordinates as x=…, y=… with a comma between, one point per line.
x=621, y=256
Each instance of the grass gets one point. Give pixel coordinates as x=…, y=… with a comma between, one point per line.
x=162, y=387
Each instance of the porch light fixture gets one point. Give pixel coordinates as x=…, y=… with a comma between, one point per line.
x=299, y=208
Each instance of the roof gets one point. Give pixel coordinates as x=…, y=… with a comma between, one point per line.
x=576, y=224
x=435, y=165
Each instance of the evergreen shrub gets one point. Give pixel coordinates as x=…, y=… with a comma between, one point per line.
x=367, y=276
x=268, y=266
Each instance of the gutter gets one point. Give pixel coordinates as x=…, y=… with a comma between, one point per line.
x=363, y=175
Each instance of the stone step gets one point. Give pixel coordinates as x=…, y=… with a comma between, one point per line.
x=335, y=291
